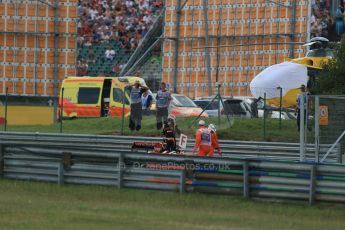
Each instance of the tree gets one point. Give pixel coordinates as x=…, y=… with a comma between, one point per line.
x=331, y=80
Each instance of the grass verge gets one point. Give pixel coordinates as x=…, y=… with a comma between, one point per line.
x=33, y=205
x=241, y=129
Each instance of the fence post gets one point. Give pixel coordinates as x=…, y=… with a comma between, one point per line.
x=6, y=102
x=264, y=116
x=121, y=169
x=280, y=106
x=183, y=181
x=312, y=185
x=339, y=155
x=2, y=160
x=123, y=110
x=245, y=179
x=317, y=128
x=302, y=109
x=61, y=173
x=65, y=164
x=61, y=109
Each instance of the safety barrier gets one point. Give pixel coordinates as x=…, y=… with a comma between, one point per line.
x=232, y=176
x=234, y=149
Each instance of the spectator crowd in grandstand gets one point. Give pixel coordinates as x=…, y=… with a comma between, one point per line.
x=326, y=23
x=109, y=30
x=120, y=22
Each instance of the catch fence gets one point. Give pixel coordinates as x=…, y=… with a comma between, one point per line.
x=324, y=123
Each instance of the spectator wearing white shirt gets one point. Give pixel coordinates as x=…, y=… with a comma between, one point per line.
x=93, y=14
x=129, y=3
x=109, y=54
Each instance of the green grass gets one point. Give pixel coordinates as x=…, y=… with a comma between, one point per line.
x=32, y=205
x=241, y=129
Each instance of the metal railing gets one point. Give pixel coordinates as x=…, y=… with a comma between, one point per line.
x=253, y=178
x=234, y=149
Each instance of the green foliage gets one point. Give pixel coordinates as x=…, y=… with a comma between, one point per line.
x=331, y=80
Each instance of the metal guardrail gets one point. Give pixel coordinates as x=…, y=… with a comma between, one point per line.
x=234, y=149
x=287, y=151
x=232, y=176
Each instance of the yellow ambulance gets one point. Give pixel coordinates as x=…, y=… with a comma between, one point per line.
x=95, y=96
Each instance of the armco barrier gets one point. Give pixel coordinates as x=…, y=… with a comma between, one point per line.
x=232, y=176
x=233, y=149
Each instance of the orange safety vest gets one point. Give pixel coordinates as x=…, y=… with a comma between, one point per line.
x=203, y=142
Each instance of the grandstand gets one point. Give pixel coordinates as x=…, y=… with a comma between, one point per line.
x=100, y=66
x=187, y=43
x=123, y=27
x=37, y=40
x=191, y=61
x=231, y=41
x=252, y=36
